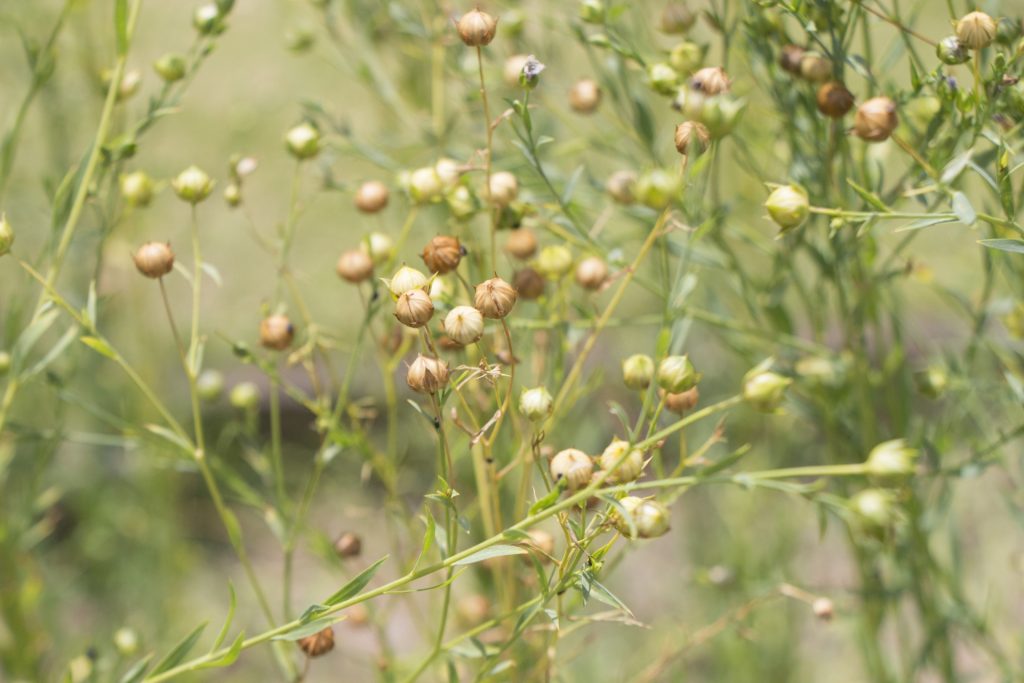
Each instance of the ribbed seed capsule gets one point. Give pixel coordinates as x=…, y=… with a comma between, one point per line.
x=494, y=298
x=692, y=136
x=623, y=462
x=414, y=308
x=591, y=273
x=585, y=96
x=154, y=259
x=649, y=517
x=682, y=402
x=711, y=80
x=442, y=254
x=976, y=30
x=406, y=278
x=529, y=283
x=876, y=119
x=476, y=28
x=574, y=466
x=320, y=643
x=276, y=332
x=464, y=325
x=834, y=100
x=427, y=375
x=372, y=196
x=355, y=265
x=521, y=243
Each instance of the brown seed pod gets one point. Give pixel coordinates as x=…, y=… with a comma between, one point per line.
x=521, y=243
x=692, y=136
x=154, y=259
x=427, y=375
x=620, y=186
x=276, y=332
x=320, y=643
x=464, y=325
x=591, y=273
x=476, y=28
x=834, y=100
x=372, y=196
x=711, y=80
x=494, y=298
x=355, y=265
x=585, y=96
x=790, y=58
x=414, y=308
x=574, y=466
x=876, y=119
x=815, y=67
x=442, y=254
x=823, y=609
x=349, y=544
x=528, y=283
x=682, y=402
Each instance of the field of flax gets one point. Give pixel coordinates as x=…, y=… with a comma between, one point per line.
x=567, y=341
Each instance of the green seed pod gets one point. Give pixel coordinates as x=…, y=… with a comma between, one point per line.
x=6, y=235
x=663, y=78
x=171, y=67
x=245, y=396
x=951, y=51
x=875, y=509
x=764, y=390
x=686, y=57
x=233, y=195
x=207, y=19
x=891, y=462
x=788, y=206
x=623, y=463
x=658, y=188
x=126, y=641
x=677, y=18
x=193, y=185
x=931, y=382
x=650, y=518
x=303, y=141
x=425, y=185
x=210, y=385
x=676, y=374
x=554, y=261
x=638, y=371
x=592, y=11
x=720, y=114
x=536, y=404
x=137, y=188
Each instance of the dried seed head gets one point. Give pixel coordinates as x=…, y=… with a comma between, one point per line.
x=788, y=206
x=464, y=325
x=622, y=462
x=638, y=371
x=891, y=462
x=193, y=185
x=574, y=466
x=711, y=80
x=815, y=67
x=823, y=609
x=521, y=243
x=504, y=188
x=876, y=119
x=372, y=196
x=476, y=28
x=650, y=518
x=834, y=100
x=303, y=141
x=686, y=57
x=764, y=390
x=276, y=332
x=494, y=298
x=658, y=188
x=620, y=186
x=137, y=188
x=676, y=18
x=529, y=283
x=591, y=273
x=348, y=545
x=683, y=402
x=536, y=404
x=355, y=265
x=7, y=240
x=513, y=69
x=378, y=247
x=319, y=643
x=976, y=30
x=442, y=254
x=171, y=67
x=153, y=259
x=692, y=136
x=244, y=396
x=427, y=375
x=414, y=308
x=404, y=279
x=585, y=96
x=951, y=51
x=790, y=58
x=676, y=374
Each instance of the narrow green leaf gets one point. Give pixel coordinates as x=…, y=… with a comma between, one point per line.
x=168, y=435
x=137, y=671
x=599, y=591
x=227, y=621
x=1014, y=246
x=180, y=651
x=548, y=500
x=493, y=551
x=99, y=346
x=355, y=585
x=228, y=657
x=30, y=335
x=54, y=353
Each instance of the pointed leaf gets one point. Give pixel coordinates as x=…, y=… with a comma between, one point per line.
x=180, y=651
x=493, y=551
x=355, y=585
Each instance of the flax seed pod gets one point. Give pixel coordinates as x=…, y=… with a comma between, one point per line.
x=494, y=298
x=276, y=332
x=876, y=119
x=372, y=196
x=153, y=259
x=442, y=254
x=574, y=466
x=476, y=28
